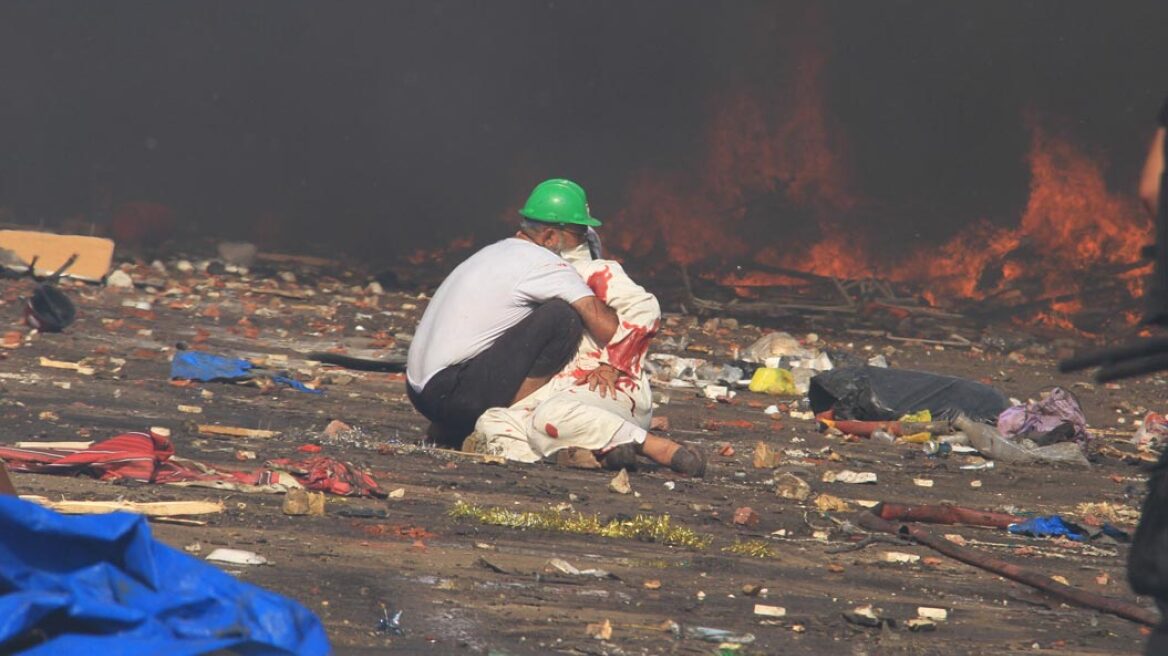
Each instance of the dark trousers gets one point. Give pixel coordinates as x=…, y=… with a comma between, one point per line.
x=539, y=346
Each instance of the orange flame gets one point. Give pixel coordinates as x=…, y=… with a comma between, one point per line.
x=789, y=156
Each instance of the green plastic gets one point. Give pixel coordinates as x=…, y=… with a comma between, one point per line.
x=558, y=201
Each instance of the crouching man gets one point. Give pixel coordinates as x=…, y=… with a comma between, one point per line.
x=506, y=320
x=601, y=401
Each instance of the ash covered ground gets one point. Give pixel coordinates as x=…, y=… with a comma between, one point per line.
x=463, y=586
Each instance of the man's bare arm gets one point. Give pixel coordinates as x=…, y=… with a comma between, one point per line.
x=598, y=318
x=1150, y=177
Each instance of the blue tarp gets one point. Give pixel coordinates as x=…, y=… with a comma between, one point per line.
x=206, y=367
x=1045, y=526
x=101, y=584
x=1048, y=526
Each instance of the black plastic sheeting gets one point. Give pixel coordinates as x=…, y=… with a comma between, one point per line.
x=879, y=394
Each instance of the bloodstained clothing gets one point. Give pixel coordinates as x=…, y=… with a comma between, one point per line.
x=565, y=413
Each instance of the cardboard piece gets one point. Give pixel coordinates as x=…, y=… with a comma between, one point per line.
x=94, y=254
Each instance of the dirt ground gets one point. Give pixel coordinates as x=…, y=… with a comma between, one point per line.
x=466, y=587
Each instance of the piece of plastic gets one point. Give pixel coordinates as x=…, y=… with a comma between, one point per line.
x=777, y=344
x=1048, y=526
x=1153, y=432
x=995, y=446
x=876, y=394
x=85, y=585
x=920, y=417
x=1057, y=407
x=207, y=367
x=777, y=382
x=802, y=379
x=558, y=201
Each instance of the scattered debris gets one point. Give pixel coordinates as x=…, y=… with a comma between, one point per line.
x=936, y=614
x=620, y=483
x=849, y=476
x=865, y=616
x=303, y=502
x=83, y=369
x=900, y=557
x=920, y=625
x=764, y=457
x=148, y=508
x=235, y=431
x=790, y=486
x=600, y=631
x=746, y=517
x=770, y=611
x=719, y=635
x=1013, y=572
x=829, y=503
x=236, y=557
x=642, y=527
x=558, y=565
x=119, y=280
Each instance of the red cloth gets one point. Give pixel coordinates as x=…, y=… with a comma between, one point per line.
x=323, y=474
x=148, y=458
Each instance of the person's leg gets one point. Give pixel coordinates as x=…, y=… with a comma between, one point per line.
x=565, y=421
x=552, y=333
x=521, y=360
x=503, y=432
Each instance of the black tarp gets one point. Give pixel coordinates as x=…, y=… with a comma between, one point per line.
x=879, y=394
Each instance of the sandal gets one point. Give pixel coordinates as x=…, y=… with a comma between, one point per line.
x=688, y=460
x=621, y=457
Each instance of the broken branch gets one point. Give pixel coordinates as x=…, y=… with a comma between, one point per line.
x=1035, y=580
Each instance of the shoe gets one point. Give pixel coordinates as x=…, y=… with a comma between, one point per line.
x=688, y=460
x=621, y=457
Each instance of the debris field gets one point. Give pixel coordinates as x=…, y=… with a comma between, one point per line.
x=468, y=555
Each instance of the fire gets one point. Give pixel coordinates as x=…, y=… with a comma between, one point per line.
x=775, y=190
x=1072, y=225
x=762, y=159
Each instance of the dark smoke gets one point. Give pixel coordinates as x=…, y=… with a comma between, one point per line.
x=377, y=127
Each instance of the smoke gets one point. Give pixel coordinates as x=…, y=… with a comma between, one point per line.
x=376, y=127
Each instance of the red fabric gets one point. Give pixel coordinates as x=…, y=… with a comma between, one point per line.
x=148, y=459
x=323, y=474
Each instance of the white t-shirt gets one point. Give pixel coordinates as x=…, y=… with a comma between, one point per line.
x=484, y=296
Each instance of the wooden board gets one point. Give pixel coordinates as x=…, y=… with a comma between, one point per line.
x=149, y=508
x=94, y=254
x=235, y=431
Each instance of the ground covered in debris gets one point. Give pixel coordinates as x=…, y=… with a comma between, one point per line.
x=464, y=584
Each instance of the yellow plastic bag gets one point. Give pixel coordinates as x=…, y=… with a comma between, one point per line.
x=918, y=417
x=777, y=382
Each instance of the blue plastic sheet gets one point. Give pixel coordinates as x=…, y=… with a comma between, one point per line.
x=101, y=584
x=1048, y=526
x=206, y=367
x=196, y=365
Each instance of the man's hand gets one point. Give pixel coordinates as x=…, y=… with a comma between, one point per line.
x=599, y=319
x=602, y=379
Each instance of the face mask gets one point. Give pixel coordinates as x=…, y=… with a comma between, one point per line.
x=577, y=254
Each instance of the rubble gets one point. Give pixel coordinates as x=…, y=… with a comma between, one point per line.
x=665, y=535
x=119, y=279
x=620, y=483
x=236, y=557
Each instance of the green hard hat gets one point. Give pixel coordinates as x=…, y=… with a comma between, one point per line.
x=558, y=201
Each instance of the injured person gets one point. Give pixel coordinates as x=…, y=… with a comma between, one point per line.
x=601, y=401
